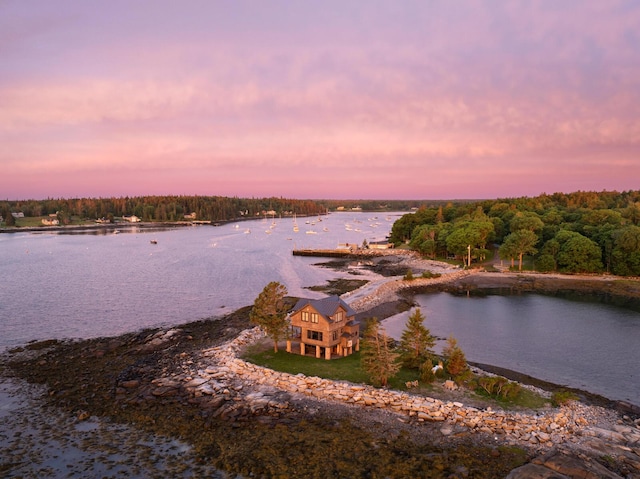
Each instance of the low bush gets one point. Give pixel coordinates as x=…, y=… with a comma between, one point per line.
x=497, y=386
x=562, y=397
x=430, y=275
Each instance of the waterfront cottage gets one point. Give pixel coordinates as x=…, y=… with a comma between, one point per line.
x=325, y=327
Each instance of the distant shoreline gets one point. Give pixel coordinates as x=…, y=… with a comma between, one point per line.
x=109, y=227
x=128, y=225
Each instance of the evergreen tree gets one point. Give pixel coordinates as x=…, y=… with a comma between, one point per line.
x=416, y=341
x=456, y=362
x=269, y=312
x=377, y=356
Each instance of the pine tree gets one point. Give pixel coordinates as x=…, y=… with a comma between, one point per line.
x=269, y=312
x=377, y=356
x=456, y=362
x=416, y=341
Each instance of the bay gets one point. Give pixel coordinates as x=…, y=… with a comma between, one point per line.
x=60, y=285
x=586, y=345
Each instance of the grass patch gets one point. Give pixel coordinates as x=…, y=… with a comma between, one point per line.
x=524, y=399
x=30, y=222
x=349, y=369
x=343, y=369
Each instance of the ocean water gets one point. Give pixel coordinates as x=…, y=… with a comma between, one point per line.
x=91, y=285
x=582, y=344
x=58, y=285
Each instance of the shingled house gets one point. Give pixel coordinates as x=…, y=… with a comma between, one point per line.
x=325, y=327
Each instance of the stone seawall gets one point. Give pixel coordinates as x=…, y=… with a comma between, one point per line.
x=544, y=429
x=570, y=438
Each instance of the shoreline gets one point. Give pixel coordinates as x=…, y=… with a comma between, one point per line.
x=133, y=378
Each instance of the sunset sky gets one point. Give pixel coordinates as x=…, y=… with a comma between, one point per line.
x=333, y=99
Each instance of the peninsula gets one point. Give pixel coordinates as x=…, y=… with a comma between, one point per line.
x=189, y=382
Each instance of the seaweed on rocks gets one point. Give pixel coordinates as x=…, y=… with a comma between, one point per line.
x=117, y=379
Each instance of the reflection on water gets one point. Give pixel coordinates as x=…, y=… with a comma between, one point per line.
x=582, y=344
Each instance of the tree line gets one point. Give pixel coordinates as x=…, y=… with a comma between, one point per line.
x=161, y=208
x=580, y=232
x=206, y=208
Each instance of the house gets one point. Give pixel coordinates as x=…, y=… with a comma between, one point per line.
x=131, y=219
x=325, y=327
x=380, y=245
x=50, y=221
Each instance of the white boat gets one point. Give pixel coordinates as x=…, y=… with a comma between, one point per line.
x=311, y=232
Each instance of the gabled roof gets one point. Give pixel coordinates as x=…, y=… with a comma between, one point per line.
x=325, y=306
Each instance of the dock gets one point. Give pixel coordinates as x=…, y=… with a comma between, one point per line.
x=354, y=252
x=328, y=253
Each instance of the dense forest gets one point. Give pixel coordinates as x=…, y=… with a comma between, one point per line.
x=161, y=208
x=581, y=232
x=174, y=208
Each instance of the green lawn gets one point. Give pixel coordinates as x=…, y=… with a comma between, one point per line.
x=349, y=369
x=343, y=369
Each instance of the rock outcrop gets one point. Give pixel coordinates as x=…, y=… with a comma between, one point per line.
x=567, y=439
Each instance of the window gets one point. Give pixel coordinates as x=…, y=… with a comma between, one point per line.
x=314, y=317
x=315, y=335
x=339, y=316
x=336, y=334
x=305, y=316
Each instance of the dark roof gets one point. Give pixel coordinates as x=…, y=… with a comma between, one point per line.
x=325, y=306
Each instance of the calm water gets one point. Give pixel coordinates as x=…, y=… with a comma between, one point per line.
x=586, y=345
x=87, y=285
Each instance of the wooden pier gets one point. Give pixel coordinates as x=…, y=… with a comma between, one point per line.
x=329, y=253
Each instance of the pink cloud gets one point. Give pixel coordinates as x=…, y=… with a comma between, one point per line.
x=411, y=101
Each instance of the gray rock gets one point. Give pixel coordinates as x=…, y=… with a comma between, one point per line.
x=534, y=471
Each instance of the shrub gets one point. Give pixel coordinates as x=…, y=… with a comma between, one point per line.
x=499, y=386
x=562, y=397
x=430, y=275
x=409, y=275
x=426, y=371
x=456, y=362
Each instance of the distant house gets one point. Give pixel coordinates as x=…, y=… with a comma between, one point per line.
x=380, y=245
x=190, y=216
x=50, y=221
x=19, y=214
x=324, y=327
x=131, y=219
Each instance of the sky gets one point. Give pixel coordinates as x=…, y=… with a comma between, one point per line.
x=403, y=99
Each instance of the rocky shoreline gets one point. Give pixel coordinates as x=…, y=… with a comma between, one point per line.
x=189, y=384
